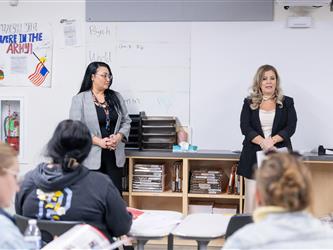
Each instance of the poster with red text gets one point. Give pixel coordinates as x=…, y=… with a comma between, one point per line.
x=25, y=54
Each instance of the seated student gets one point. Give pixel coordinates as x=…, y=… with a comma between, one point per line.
x=10, y=236
x=64, y=189
x=284, y=193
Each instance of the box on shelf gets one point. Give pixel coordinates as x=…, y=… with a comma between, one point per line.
x=225, y=209
x=200, y=207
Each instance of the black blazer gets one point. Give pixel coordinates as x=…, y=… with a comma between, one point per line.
x=284, y=125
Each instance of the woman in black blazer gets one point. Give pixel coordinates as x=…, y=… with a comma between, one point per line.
x=268, y=120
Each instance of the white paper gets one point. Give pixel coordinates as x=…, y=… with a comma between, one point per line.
x=71, y=32
x=262, y=156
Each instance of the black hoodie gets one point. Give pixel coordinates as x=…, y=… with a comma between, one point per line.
x=80, y=195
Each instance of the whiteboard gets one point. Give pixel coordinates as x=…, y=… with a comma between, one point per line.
x=201, y=72
x=150, y=63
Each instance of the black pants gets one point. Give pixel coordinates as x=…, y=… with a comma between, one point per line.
x=109, y=167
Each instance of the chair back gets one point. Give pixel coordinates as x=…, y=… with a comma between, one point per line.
x=236, y=222
x=48, y=228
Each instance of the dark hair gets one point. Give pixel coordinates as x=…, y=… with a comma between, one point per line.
x=283, y=180
x=71, y=142
x=110, y=95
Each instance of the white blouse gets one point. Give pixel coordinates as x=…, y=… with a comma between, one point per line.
x=266, y=120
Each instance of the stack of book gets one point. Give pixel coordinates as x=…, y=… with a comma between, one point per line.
x=204, y=181
x=148, y=178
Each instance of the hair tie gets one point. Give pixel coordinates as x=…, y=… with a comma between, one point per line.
x=72, y=162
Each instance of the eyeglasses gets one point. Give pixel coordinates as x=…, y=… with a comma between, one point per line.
x=106, y=76
x=12, y=173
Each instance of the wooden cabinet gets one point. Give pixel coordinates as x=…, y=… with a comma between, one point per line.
x=179, y=201
x=321, y=168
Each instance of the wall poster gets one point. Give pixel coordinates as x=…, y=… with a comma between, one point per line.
x=25, y=54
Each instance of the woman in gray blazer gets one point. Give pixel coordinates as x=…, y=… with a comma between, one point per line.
x=104, y=112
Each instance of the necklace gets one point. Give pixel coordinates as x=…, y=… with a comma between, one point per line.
x=106, y=109
x=98, y=103
x=266, y=98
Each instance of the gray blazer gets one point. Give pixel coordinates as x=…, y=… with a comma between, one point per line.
x=83, y=109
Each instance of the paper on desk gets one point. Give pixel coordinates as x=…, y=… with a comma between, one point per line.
x=262, y=156
x=203, y=226
x=155, y=223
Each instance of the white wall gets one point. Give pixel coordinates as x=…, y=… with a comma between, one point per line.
x=224, y=57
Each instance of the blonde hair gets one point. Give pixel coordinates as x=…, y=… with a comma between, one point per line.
x=7, y=157
x=283, y=180
x=256, y=95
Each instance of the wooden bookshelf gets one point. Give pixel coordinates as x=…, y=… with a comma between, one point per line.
x=321, y=168
x=179, y=201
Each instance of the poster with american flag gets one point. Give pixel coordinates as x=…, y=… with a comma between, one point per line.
x=26, y=54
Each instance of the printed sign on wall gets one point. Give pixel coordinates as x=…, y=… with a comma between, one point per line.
x=25, y=54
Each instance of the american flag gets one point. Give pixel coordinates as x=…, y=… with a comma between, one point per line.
x=38, y=77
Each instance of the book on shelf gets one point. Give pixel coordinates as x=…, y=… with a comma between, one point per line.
x=148, y=178
x=234, y=181
x=176, y=182
x=204, y=181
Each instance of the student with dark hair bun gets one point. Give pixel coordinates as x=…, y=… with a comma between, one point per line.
x=64, y=189
x=283, y=219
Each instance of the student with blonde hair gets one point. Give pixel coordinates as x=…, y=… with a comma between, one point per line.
x=283, y=219
x=10, y=236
